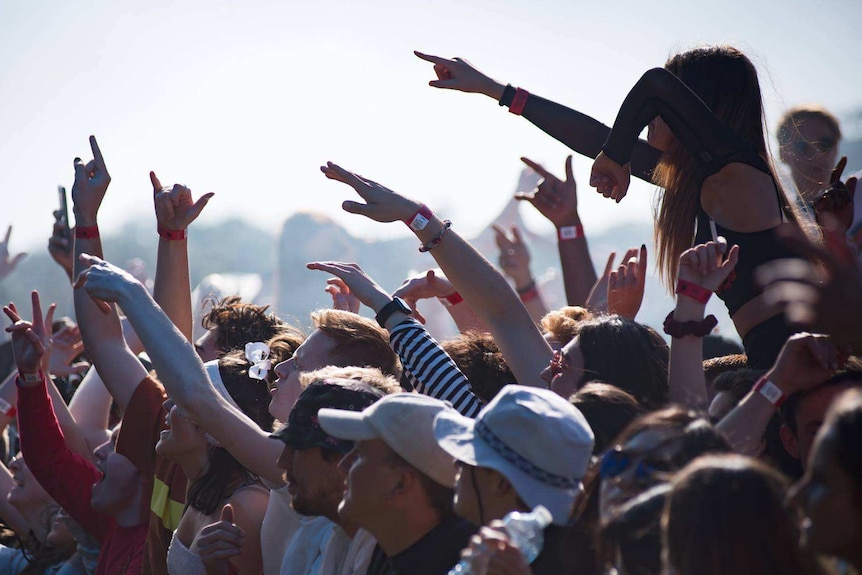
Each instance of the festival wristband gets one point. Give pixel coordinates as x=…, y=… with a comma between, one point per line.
x=86, y=233
x=519, y=101
x=172, y=235
x=692, y=290
x=567, y=233
x=770, y=391
x=37, y=377
x=451, y=300
x=420, y=219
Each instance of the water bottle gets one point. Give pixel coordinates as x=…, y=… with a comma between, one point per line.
x=526, y=532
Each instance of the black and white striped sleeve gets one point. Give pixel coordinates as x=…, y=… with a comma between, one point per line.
x=430, y=369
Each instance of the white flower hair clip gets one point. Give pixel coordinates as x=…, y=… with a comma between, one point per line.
x=257, y=354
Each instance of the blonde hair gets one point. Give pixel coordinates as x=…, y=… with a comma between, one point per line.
x=370, y=375
x=563, y=323
x=358, y=341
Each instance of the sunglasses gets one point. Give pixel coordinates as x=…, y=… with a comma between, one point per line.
x=809, y=150
x=559, y=363
x=617, y=461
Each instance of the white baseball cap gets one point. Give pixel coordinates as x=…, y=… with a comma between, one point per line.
x=404, y=422
x=537, y=440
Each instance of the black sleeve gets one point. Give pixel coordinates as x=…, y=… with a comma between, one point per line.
x=583, y=134
x=660, y=93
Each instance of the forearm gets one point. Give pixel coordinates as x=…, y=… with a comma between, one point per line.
x=686, y=383
x=172, y=289
x=494, y=302
x=745, y=425
x=72, y=435
x=579, y=275
x=8, y=399
x=91, y=404
x=465, y=318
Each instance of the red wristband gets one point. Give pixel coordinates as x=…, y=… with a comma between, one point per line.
x=451, y=299
x=770, y=391
x=86, y=233
x=567, y=233
x=7, y=409
x=519, y=101
x=172, y=235
x=420, y=219
x=692, y=290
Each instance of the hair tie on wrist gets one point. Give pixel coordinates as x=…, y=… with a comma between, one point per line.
x=680, y=329
x=436, y=239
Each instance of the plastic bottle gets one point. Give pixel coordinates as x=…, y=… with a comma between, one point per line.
x=526, y=532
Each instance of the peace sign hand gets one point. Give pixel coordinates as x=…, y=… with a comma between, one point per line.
x=31, y=341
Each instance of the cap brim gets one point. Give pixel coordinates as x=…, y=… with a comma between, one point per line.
x=344, y=424
x=454, y=434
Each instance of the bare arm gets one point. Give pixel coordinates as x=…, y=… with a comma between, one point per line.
x=488, y=292
x=100, y=326
x=91, y=408
x=172, y=290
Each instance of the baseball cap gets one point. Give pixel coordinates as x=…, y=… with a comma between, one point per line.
x=404, y=422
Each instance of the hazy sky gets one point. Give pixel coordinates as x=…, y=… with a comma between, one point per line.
x=246, y=99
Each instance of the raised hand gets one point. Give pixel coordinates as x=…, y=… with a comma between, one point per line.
x=598, y=298
x=609, y=178
x=7, y=265
x=458, y=74
x=175, y=209
x=826, y=297
x=836, y=201
x=342, y=298
x=426, y=285
x=31, y=341
x=60, y=248
x=626, y=285
x=555, y=199
x=806, y=360
x=491, y=552
x=91, y=183
x=381, y=203
x=67, y=346
x=706, y=264
x=514, y=256
x=360, y=284
x=220, y=541
x=104, y=282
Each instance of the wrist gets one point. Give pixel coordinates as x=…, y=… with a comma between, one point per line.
x=688, y=309
x=777, y=377
x=494, y=89
x=170, y=234
x=570, y=232
x=378, y=301
x=574, y=220
x=523, y=282
x=85, y=220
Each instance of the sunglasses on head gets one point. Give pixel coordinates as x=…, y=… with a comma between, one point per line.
x=809, y=150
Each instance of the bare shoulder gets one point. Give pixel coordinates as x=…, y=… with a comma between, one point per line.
x=741, y=198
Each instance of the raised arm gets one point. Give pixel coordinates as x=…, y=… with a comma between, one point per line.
x=175, y=210
x=91, y=408
x=100, y=325
x=581, y=133
x=488, y=292
x=660, y=93
x=703, y=267
x=434, y=284
x=181, y=371
x=427, y=365
x=557, y=200
x=514, y=260
x=805, y=361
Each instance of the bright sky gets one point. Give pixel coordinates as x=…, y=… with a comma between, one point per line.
x=246, y=99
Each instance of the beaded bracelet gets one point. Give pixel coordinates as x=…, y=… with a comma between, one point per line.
x=436, y=239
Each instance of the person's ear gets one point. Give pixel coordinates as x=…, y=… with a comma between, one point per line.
x=405, y=479
x=790, y=441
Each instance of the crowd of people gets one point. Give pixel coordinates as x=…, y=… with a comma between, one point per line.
x=368, y=447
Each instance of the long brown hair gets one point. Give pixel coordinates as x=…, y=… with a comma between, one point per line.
x=726, y=80
x=727, y=515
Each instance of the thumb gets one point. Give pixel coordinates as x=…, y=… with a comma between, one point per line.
x=226, y=513
x=80, y=171
x=442, y=83
x=18, y=258
x=157, y=185
x=570, y=175
x=355, y=208
x=516, y=232
x=199, y=205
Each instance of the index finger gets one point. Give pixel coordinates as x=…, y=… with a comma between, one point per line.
x=610, y=265
x=38, y=321
x=433, y=59
x=538, y=168
x=97, y=153
x=8, y=235
x=157, y=185
x=500, y=236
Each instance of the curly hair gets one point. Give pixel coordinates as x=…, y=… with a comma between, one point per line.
x=239, y=323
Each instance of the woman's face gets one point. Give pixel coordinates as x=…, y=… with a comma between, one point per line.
x=26, y=490
x=59, y=537
x=831, y=500
x=181, y=435
x=120, y=479
x=566, y=369
x=659, y=135
x=629, y=469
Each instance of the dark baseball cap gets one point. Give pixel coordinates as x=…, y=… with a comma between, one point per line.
x=302, y=430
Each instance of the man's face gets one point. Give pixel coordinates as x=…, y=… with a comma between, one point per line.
x=371, y=481
x=811, y=154
x=207, y=346
x=314, y=353
x=314, y=482
x=120, y=479
x=809, y=417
